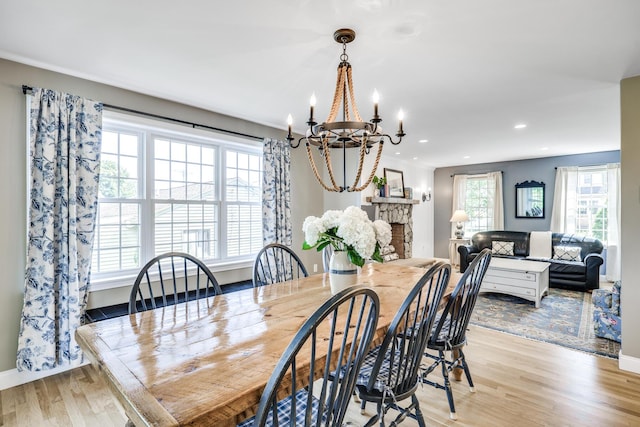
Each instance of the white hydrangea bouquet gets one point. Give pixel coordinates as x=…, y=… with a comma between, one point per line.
x=350, y=230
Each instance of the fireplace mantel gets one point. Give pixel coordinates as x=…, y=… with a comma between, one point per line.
x=392, y=200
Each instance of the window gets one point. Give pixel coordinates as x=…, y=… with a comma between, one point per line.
x=592, y=201
x=165, y=189
x=480, y=196
x=479, y=204
x=586, y=202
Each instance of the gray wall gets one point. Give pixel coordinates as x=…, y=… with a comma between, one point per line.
x=542, y=170
x=13, y=148
x=630, y=250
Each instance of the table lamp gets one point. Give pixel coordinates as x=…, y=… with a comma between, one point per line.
x=459, y=217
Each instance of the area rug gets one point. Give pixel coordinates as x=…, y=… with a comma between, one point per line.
x=564, y=318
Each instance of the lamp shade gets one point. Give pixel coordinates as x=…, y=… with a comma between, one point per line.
x=459, y=216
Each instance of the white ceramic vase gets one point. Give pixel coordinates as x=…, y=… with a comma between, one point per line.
x=342, y=272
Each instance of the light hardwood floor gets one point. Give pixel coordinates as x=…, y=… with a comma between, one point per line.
x=519, y=382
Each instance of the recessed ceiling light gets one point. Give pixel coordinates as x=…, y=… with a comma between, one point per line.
x=422, y=141
x=520, y=126
x=415, y=158
x=544, y=148
x=466, y=157
x=397, y=153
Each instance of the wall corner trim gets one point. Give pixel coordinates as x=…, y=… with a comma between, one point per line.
x=629, y=363
x=13, y=378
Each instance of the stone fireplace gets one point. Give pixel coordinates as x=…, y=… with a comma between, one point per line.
x=398, y=213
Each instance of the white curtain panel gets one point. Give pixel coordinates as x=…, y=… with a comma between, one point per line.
x=498, y=203
x=563, y=213
x=459, y=197
x=276, y=193
x=613, y=225
x=65, y=139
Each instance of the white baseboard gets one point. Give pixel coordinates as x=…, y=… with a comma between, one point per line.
x=629, y=363
x=12, y=377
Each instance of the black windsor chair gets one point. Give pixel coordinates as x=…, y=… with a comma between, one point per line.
x=342, y=328
x=390, y=371
x=277, y=263
x=169, y=279
x=449, y=332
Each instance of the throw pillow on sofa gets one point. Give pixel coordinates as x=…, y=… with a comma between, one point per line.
x=499, y=247
x=567, y=253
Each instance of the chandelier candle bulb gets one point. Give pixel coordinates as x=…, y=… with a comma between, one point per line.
x=376, y=99
x=400, y=118
x=289, y=123
x=312, y=103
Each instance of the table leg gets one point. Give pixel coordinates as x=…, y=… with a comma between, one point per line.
x=457, y=372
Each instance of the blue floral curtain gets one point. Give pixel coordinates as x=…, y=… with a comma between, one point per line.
x=276, y=193
x=65, y=138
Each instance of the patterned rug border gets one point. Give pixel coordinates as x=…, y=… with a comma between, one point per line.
x=575, y=333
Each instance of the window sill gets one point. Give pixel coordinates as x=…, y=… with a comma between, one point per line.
x=126, y=280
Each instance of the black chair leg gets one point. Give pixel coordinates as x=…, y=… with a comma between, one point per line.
x=419, y=416
x=376, y=417
x=467, y=373
x=447, y=386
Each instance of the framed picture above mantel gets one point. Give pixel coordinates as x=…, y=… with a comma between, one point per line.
x=395, y=181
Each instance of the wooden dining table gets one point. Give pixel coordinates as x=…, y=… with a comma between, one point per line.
x=206, y=362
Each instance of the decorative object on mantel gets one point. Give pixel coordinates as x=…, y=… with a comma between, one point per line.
x=353, y=236
x=459, y=217
x=408, y=193
x=351, y=132
x=379, y=182
x=395, y=180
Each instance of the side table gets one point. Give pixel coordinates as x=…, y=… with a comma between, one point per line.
x=454, y=258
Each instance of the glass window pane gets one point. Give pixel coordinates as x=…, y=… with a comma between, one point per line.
x=254, y=163
x=208, y=156
x=162, y=169
x=193, y=153
x=108, y=187
x=131, y=235
x=128, y=144
x=231, y=159
x=128, y=167
x=193, y=173
x=178, y=151
x=128, y=189
x=243, y=161
x=109, y=143
x=130, y=258
x=178, y=171
x=162, y=149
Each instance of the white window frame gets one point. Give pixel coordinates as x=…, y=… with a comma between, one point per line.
x=156, y=128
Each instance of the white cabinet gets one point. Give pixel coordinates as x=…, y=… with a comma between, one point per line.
x=520, y=278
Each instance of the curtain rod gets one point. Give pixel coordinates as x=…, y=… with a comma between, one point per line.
x=589, y=166
x=473, y=173
x=27, y=89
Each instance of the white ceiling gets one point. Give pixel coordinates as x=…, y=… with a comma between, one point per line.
x=464, y=71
